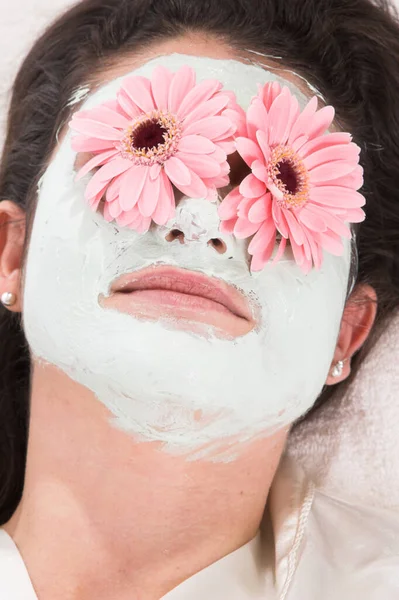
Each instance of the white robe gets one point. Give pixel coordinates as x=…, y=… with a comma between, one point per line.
x=310, y=546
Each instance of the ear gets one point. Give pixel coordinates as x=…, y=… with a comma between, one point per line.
x=357, y=321
x=12, y=239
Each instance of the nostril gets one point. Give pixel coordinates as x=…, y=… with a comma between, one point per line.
x=175, y=234
x=218, y=245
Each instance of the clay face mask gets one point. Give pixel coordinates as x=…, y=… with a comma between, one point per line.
x=160, y=382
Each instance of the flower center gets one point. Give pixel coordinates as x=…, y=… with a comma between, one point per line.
x=152, y=138
x=289, y=175
x=148, y=135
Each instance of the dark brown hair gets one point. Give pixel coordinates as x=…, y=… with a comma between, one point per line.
x=348, y=48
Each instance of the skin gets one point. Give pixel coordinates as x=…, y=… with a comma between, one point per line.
x=159, y=531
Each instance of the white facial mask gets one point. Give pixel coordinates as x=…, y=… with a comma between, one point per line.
x=154, y=378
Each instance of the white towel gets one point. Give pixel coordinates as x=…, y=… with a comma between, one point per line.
x=350, y=446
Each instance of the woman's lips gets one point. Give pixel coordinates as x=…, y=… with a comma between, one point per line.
x=181, y=295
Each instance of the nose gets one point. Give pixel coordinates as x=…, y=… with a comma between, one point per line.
x=196, y=221
x=176, y=234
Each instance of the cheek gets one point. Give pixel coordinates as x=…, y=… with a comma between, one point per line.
x=61, y=246
x=301, y=316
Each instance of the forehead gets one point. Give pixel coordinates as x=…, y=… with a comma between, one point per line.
x=210, y=59
x=198, y=45
x=242, y=78
x=195, y=48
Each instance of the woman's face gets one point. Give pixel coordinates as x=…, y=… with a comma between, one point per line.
x=175, y=367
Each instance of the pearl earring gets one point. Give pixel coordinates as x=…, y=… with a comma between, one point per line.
x=8, y=299
x=338, y=369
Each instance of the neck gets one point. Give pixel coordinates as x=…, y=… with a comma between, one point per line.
x=116, y=518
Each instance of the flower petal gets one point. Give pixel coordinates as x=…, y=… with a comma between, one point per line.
x=316, y=252
x=260, y=171
x=132, y=185
x=298, y=252
x=348, y=152
x=321, y=121
x=244, y=207
x=149, y=196
x=311, y=219
x=127, y=105
x=81, y=143
x=139, y=91
x=166, y=201
x=324, y=141
x=251, y=187
x=96, y=130
x=269, y=92
x=355, y=215
x=228, y=208
x=107, y=116
x=208, y=109
x=244, y=229
x=114, y=209
x=291, y=119
x=257, y=119
x=113, y=189
x=202, y=165
x=248, y=150
x=127, y=218
x=238, y=119
x=280, y=251
x=212, y=127
x=106, y=214
x=155, y=170
x=258, y=263
x=281, y=115
x=105, y=174
x=160, y=84
x=352, y=180
x=177, y=171
x=142, y=224
x=200, y=94
x=295, y=229
x=260, y=259
x=182, y=83
x=196, y=188
x=332, y=221
x=217, y=182
x=96, y=161
x=301, y=125
x=334, y=195
x=228, y=147
x=211, y=191
x=330, y=242
x=227, y=227
x=280, y=220
x=218, y=154
x=264, y=145
x=330, y=171
x=134, y=220
x=262, y=239
x=299, y=143
x=95, y=201
x=196, y=144
x=261, y=210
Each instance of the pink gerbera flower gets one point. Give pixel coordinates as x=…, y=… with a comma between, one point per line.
x=303, y=182
x=158, y=132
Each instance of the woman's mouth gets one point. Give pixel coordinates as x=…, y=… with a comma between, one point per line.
x=187, y=298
